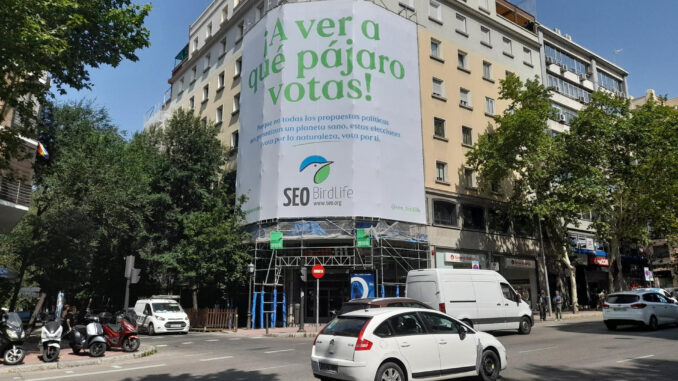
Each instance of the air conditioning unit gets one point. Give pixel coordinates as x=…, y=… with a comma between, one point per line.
x=583, y=77
x=561, y=117
x=563, y=68
x=582, y=99
x=549, y=60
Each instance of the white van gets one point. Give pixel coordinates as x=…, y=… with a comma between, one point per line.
x=482, y=299
x=161, y=315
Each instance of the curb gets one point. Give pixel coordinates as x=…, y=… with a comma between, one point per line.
x=142, y=352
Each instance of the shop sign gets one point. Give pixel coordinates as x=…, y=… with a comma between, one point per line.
x=589, y=244
x=475, y=265
x=648, y=274
x=599, y=261
x=452, y=257
x=458, y=257
x=520, y=263
x=494, y=266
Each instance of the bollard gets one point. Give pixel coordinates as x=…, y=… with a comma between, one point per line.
x=236, y=322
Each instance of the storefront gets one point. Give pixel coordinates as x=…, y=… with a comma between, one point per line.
x=456, y=259
x=522, y=275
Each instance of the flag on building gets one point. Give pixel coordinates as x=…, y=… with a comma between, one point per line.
x=42, y=151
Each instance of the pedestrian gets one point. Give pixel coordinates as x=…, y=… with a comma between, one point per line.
x=541, y=302
x=69, y=320
x=601, y=298
x=558, y=301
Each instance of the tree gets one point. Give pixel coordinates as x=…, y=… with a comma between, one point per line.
x=62, y=38
x=624, y=164
x=518, y=148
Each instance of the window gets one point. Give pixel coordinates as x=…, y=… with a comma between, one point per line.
x=440, y=324
x=485, y=38
x=224, y=14
x=223, y=47
x=484, y=5
x=474, y=217
x=208, y=58
x=241, y=30
x=435, y=11
x=383, y=330
x=208, y=31
x=205, y=93
x=441, y=171
x=495, y=187
x=194, y=71
x=508, y=292
x=220, y=114
x=498, y=221
x=469, y=178
x=260, y=11
x=508, y=47
x=564, y=115
x=609, y=82
x=181, y=85
x=527, y=56
x=406, y=324
x=444, y=213
x=560, y=58
x=568, y=89
x=461, y=24
x=345, y=326
x=236, y=103
x=489, y=106
x=462, y=61
x=508, y=73
x=195, y=44
x=487, y=70
x=439, y=127
x=466, y=136
x=465, y=98
x=409, y=4
x=191, y=103
x=147, y=310
x=523, y=225
x=238, y=67
x=234, y=139
x=220, y=81
x=438, y=88
x=435, y=49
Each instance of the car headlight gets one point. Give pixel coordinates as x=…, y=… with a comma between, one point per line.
x=160, y=318
x=11, y=334
x=186, y=318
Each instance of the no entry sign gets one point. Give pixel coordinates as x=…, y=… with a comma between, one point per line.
x=318, y=271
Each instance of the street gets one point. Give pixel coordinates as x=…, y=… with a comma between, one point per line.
x=580, y=349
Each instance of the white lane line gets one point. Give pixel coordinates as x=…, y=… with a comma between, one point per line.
x=234, y=339
x=187, y=342
x=116, y=366
x=161, y=345
x=536, y=350
x=155, y=338
x=68, y=371
x=217, y=358
x=100, y=372
x=273, y=367
x=280, y=350
x=212, y=340
x=635, y=358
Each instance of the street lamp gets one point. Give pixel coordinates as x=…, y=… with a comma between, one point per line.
x=250, y=269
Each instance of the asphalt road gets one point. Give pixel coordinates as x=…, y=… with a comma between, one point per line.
x=573, y=350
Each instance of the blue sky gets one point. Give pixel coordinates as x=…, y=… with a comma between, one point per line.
x=645, y=30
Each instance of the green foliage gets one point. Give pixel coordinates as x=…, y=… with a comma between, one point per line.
x=62, y=38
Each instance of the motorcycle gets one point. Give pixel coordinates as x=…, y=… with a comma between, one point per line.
x=123, y=334
x=50, y=341
x=89, y=337
x=11, y=338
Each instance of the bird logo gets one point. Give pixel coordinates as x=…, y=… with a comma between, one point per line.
x=321, y=166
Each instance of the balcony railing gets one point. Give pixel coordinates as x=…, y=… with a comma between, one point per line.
x=15, y=192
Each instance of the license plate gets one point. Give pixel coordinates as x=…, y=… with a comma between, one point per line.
x=328, y=367
x=619, y=309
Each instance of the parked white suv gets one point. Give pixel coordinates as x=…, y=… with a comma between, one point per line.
x=161, y=315
x=404, y=344
x=639, y=307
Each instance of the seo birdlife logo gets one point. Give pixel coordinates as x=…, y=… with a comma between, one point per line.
x=316, y=168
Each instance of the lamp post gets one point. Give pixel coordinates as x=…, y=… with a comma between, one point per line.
x=250, y=269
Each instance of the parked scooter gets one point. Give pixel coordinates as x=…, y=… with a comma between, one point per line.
x=50, y=341
x=11, y=338
x=89, y=337
x=123, y=334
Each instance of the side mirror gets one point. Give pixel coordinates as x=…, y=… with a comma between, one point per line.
x=462, y=332
x=518, y=298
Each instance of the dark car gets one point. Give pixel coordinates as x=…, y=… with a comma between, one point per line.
x=366, y=303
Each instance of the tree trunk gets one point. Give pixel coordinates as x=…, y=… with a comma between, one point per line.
x=195, y=298
x=19, y=282
x=615, y=261
x=573, y=282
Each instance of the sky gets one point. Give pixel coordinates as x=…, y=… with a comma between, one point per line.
x=643, y=30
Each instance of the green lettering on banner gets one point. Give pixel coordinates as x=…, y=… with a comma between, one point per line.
x=362, y=238
x=276, y=240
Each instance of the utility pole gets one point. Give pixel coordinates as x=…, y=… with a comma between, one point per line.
x=302, y=309
x=132, y=276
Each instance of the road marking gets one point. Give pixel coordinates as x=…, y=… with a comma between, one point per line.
x=95, y=373
x=217, y=358
x=116, y=366
x=536, y=350
x=212, y=340
x=187, y=342
x=234, y=339
x=635, y=358
x=272, y=367
x=280, y=350
x=161, y=345
x=68, y=371
x=155, y=338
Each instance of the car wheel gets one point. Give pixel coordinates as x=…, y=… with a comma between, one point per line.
x=610, y=325
x=390, y=371
x=654, y=324
x=151, y=330
x=525, y=327
x=489, y=366
x=468, y=322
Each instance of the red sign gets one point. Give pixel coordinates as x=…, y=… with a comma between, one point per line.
x=318, y=271
x=599, y=261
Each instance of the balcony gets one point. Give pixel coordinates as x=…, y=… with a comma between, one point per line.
x=15, y=197
x=516, y=15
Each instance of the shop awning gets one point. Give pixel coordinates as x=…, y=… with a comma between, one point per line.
x=598, y=253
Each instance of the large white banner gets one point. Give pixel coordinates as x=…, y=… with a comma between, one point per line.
x=330, y=122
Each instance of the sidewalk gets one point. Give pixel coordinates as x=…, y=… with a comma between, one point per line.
x=568, y=315
x=67, y=359
x=311, y=331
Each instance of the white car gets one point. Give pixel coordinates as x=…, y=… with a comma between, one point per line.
x=160, y=316
x=639, y=307
x=397, y=344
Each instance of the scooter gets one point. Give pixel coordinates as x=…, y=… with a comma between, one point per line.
x=89, y=337
x=123, y=334
x=50, y=341
x=11, y=338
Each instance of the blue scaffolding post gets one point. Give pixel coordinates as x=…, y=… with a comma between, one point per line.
x=275, y=307
x=254, y=310
x=284, y=310
x=263, y=308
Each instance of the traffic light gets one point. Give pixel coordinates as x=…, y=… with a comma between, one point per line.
x=303, y=272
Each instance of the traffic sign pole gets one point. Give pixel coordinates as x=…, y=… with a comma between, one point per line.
x=318, y=271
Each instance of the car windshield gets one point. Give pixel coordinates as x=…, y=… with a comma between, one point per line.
x=13, y=319
x=350, y=307
x=345, y=326
x=166, y=307
x=622, y=299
